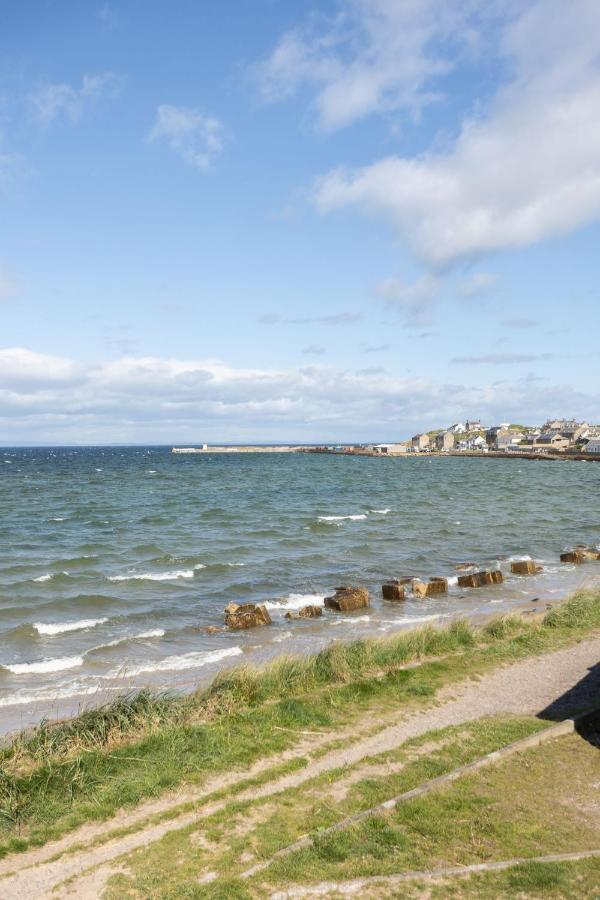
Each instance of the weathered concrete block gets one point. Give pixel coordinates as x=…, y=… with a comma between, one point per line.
x=347, y=599
x=393, y=590
x=572, y=556
x=246, y=615
x=429, y=589
x=441, y=584
x=590, y=554
x=480, y=579
x=307, y=612
x=524, y=567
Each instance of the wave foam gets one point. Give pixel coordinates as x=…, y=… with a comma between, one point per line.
x=350, y=619
x=156, y=576
x=45, y=665
x=354, y=518
x=282, y=637
x=143, y=636
x=49, y=576
x=178, y=663
x=296, y=601
x=381, y=512
x=49, y=629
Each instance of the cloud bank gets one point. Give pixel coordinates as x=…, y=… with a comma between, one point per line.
x=54, y=399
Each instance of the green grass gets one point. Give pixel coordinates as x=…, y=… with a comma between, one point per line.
x=528, y=805
x=168, y=867
x=59, y=777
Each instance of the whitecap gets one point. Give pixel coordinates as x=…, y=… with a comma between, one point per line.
x=51, y=629
x=296, y=601
x=177, y=663
x=45, y=665
x=354, y=518
x=452, y=580
x=49, y=576
x=142, y=636
x=154, y=576
x=57, y=519
x=381, y=512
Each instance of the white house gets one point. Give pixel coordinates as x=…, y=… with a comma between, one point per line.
x=474, y=443
x=593, y=446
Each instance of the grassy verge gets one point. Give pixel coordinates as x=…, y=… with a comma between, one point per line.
x=535, y=803
x=60, y=777
x=245, y=832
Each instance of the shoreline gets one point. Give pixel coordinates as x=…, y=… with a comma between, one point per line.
x=63, y=710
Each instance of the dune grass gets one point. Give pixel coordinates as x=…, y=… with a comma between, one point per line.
x=60, y=776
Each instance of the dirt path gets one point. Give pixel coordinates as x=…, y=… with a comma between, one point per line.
x=526, y=687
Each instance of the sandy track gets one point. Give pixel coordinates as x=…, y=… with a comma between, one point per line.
x=562, y=680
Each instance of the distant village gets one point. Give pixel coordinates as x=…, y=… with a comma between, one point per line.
x=554, y=436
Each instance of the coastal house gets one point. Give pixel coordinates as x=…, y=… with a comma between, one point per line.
x=568, y=428
x=444, y=441
x=593, y=446
x=473, y=443
x=505, y=439
x=420, y=442
x=457, y=428
x=474, y=425
x=553, y=441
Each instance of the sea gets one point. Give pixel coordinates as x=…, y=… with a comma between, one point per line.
x=114, y=560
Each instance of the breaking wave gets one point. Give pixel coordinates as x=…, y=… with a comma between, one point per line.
x=296, y=601
x=354, y=518
x=50, y=629
x=45, y=665
x=157, y=576
x=177, y=663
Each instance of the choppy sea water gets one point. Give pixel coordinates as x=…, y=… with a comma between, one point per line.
x=112, y=561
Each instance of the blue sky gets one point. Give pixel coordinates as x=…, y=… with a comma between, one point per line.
x=273, y=221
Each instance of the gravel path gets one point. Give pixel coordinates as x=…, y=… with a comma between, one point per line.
x=527, y=687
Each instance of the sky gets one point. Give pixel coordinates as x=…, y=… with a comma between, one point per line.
x=255, y=220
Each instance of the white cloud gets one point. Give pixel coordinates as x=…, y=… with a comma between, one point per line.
x=477, y=283
x=526, y=169
x=195, y=137
x=373, y=56
x=63, y=101
x=415, y=301
x=47, y=398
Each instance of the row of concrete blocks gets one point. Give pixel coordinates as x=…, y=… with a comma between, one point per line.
x=348, y=599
